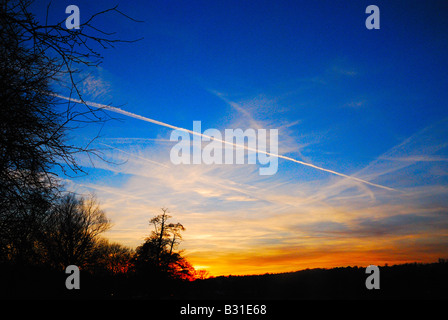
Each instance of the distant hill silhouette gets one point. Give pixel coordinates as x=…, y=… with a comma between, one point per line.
x=405, y=281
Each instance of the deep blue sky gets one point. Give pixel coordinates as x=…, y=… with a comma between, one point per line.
x=316, y=59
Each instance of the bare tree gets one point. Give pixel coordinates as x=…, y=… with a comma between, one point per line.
x=165, y=235
x=72, y=230
x=202, y=274
x=111, y=257
x=157, y=253
x=40, y=55
x=36, y=61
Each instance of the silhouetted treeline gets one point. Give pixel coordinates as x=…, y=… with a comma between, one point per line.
x=405, y=281
x=43, y=229
x=70, y=236
x=37, y=61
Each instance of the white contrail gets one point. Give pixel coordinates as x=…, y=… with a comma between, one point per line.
x=163, y=124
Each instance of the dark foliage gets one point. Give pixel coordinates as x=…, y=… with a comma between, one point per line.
x=406, y=281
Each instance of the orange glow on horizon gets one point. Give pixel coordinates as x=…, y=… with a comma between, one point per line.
x=240, y=263
x=226, y=269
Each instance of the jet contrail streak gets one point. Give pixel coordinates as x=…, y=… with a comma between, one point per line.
x=163, y=124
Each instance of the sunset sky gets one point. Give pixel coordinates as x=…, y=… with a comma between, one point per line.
x=370, y=104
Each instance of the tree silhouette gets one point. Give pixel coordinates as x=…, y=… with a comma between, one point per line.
x=157, y=254
x=35, y=61
x=202, y=274
x=71, y=231
x=113, y=258
x=29, y=137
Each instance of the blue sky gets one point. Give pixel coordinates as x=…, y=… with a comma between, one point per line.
x=315, y=61
x=367, y=103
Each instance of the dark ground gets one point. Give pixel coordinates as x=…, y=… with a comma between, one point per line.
x=406, y=281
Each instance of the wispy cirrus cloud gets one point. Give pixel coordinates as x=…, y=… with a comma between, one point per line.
x=95, y=87
x=232, y=144
x=239, y=222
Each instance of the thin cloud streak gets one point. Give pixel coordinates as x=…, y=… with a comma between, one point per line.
x=232, y=214
x=136, y=116
x=134, y=155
